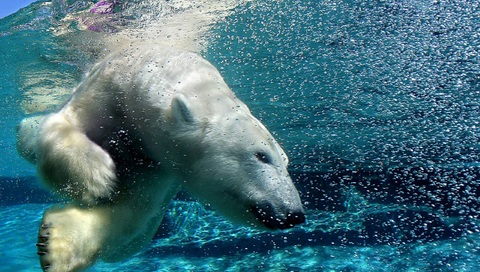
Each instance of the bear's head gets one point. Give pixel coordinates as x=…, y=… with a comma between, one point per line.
x=233, y=163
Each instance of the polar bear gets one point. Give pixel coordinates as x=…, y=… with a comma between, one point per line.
x=144, y=123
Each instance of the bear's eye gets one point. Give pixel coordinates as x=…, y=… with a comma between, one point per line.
x=263, y=157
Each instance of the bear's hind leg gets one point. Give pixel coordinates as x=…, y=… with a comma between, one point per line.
x=71, y=164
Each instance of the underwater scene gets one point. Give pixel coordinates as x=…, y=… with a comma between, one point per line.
x=376, y=103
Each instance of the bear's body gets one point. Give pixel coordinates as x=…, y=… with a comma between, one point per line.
x=143, y=124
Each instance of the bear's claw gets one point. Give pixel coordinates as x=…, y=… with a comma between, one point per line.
x=42, y=244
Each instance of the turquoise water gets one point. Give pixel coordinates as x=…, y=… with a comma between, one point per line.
x=375, y=102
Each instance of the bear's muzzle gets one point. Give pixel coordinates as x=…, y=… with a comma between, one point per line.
x=273, y=219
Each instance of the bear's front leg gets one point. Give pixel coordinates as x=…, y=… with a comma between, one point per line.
x=70, y=238
x=71, y=164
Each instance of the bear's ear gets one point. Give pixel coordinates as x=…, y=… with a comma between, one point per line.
x=180, y=110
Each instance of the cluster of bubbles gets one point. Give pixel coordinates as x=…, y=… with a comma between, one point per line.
x=377, y=99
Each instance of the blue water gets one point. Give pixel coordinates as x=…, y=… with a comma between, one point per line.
x=376, y=103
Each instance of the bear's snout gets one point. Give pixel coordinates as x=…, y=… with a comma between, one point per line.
x=274, y=220
x=295, y=218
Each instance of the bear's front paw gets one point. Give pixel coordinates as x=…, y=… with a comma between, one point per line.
x=68, y=239
x=55, y=251
x=42, y=249
x=77, y=168
x=99, y=176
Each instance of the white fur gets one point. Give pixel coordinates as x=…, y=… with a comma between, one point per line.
x=27, y=132
x=88, y=171
x=144, y=122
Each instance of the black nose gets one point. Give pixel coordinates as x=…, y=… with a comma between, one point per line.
x=295, y=218
x=275, y=220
